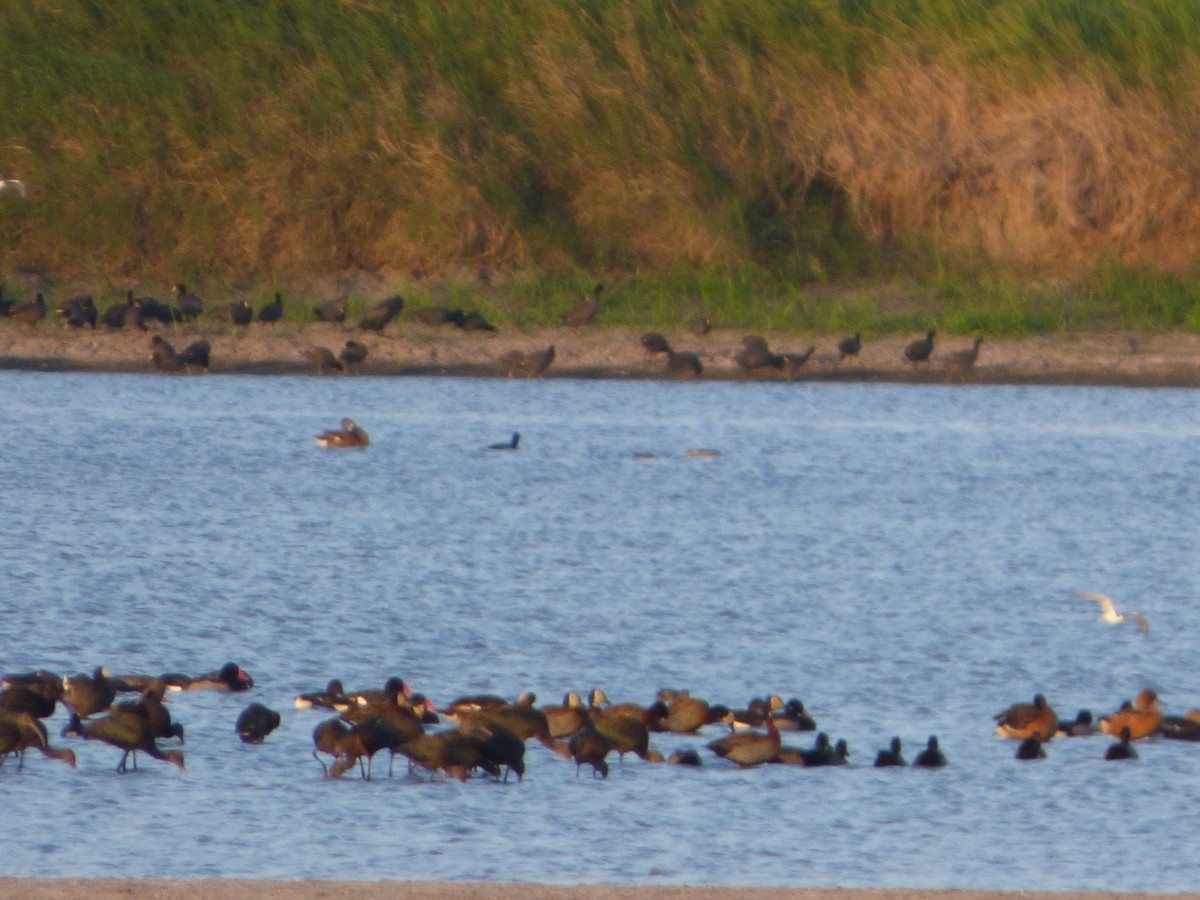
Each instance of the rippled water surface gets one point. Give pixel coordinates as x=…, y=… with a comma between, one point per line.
x=899, y=557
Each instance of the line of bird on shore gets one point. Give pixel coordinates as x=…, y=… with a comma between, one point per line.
x=755, y=357
x=489, y=733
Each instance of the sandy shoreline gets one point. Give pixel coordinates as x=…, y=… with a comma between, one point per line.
x=235, y=889
x=408, y=348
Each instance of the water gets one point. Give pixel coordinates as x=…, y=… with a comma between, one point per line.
x=899, y=557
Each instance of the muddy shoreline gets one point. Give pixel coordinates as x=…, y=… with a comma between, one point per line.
x=237, y=889
x=407, y=348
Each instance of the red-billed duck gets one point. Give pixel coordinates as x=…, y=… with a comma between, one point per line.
x=230, y=677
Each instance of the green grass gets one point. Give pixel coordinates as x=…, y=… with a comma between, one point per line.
x=665, y=148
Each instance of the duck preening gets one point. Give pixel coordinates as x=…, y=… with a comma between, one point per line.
x=350, y=435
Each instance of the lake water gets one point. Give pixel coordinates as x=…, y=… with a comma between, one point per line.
x=901, y=558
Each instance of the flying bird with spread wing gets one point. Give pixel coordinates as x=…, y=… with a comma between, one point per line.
x=1108, y=612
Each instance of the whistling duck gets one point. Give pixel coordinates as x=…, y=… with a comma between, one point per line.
x=1023, y=720
x=687, y=715
x=748, y=748
x=127, y=731
x=381, y=313
x=350, y=436
x=1142, y=719
x=584, y=311
x=87, y=695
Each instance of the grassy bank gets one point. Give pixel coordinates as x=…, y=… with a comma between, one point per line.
x=1014, y=168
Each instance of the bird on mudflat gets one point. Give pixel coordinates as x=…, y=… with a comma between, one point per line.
x=584, y=311
x=961, y=360
x=273, y=311
x=324, y=360
x=352, y=354
x=190, y=305
x=381, y=313
x=330, y=311
x=527, y=364
x=918, y=351
x=1108, y=612
x=849, y=346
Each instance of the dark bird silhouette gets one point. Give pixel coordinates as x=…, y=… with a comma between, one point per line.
x=438, y=315
x=323, y=359
x=273, y=311
x=822, y=754
x=794, y=362
x=350, y=435
x=685, y=757
x=128, y=732
x=124, y=315
x=687, y=714
x=507, y=445
x=196, y=354
x=585, y=310
x=961, y=360
x=528, y=365
x=655, y=343
x=21, y=731
x=78, y=312
x=891, y=756
x=163, y=355
x=1081, y=727
x=849, y=346
x=1031, y=748
x=191, y=306
x=31, y=312
x=333, y=311
x=381, y=313
x=700, y=326
x=918, y=351
x=589, y=747
x=353, y=354
x=1122, y=749
x=149, y=705
x=20, y=698
x=684, y=362
x=794, y=717
x=931, y=757
x=255, y=723
x=335, y=738
x=240, y=313
x=5, y=305
x=473, y=321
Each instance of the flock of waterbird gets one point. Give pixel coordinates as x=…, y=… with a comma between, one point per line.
x=486, y=734
x=755, y=358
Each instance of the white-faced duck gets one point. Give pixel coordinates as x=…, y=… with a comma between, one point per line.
x=350, y=435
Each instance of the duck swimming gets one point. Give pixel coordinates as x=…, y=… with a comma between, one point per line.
x=350, y=436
